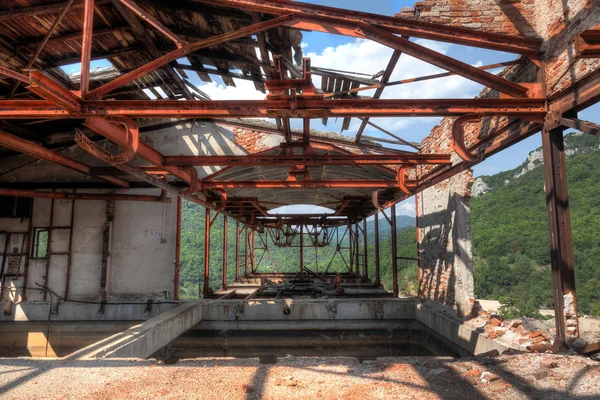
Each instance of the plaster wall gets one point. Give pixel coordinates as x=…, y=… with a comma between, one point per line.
x=140, y=257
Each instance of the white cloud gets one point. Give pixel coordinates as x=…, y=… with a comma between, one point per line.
x=369, y=57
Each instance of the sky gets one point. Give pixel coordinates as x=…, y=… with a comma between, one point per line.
x=367, y=57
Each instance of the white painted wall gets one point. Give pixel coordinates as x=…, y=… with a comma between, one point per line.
x=142, y=249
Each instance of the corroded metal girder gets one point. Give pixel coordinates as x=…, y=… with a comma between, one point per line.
x=340, y=21
x=83, y=196
x=357, y=184
x=308, y=160
x=305, y=108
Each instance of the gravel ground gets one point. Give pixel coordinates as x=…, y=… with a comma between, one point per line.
x=524, y=376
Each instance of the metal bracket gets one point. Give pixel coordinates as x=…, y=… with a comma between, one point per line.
x=458, y=136
x=126, y=155
x=401, y=178
x=375, y=199
x=552, y=120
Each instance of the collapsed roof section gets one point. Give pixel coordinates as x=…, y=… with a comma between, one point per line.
x=135, y=107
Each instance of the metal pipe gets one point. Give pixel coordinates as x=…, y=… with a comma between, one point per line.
x=396, y=290
x=206, y=289
x=224, y=281
x=177, y=250
x=82, y=196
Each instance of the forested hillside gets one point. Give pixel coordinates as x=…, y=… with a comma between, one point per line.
x=510, y=238
x=287, y=258
x=510, y=231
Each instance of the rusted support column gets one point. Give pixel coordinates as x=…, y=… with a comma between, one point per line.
x=224, y=282
x=48, y=249
x=302, y=250
x=86, y=46
x=350, y=247
x=206, y=289
x=376, y=228
x=394, y=252
x=237, y=251
x=356, y=250
x=365, y=247
x=559, y=228
x=177, y=250
x=252, y=243
x=70, y=250
x=246, y=250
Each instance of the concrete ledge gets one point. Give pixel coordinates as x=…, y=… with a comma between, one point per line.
x=447, y=328
x=143, y=340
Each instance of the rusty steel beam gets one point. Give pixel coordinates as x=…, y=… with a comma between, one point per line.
x=82, y=196
x=206, y=280
x=340, y=21
x=583, y=126
x=224, y=274
x=377, y=272
x=53, y=91
x=154, y=22
x=115, y=134
x=443, y=61
x=387, y=74
x=308, y=160
x=13, y=74
x=177, y=250
x=31, y=149
x=33, y=11
x=86, y=46
x=421, y=78
x=587, y=43
x=559, y=230
x=183, y=51
x=40, y=109
x=358, y=184
x=394, y=239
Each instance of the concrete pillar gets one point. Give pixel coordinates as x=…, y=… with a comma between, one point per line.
x=444, y=236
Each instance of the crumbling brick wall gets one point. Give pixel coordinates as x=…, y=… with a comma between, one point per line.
x=443, y=216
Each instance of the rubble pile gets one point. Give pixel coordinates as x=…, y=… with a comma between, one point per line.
x=512, y=333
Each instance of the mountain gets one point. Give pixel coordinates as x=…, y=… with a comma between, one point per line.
x=510, y=231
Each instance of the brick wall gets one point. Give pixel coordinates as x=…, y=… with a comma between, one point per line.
x=443, y=216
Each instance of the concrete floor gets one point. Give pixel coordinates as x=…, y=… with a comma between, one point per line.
x=525, y=376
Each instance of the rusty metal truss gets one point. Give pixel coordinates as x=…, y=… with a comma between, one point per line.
x=35, y=93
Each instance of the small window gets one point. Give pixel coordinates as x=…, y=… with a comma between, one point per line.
x=40, y=243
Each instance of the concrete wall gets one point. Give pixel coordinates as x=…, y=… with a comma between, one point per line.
x=140, y=258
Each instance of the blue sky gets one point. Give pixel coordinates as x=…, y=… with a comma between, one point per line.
x=351, y=54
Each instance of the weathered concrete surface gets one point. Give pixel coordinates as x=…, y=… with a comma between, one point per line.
x=450, y=329
x=444, y=237
x=143, y=340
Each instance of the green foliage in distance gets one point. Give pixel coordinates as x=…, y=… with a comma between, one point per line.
x=510, y=234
